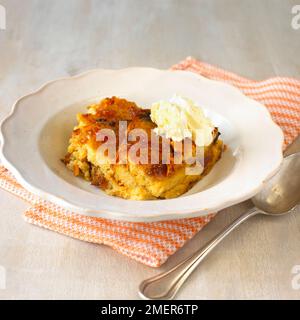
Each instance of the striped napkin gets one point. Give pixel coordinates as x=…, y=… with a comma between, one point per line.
x=152, y=243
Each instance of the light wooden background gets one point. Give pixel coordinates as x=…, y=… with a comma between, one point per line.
x=46, y=39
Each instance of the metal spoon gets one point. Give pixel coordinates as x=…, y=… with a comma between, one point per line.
x=280, y=195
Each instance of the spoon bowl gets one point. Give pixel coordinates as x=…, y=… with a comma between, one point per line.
x=282, y=192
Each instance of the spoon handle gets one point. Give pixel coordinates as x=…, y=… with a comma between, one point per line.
x=166, y=284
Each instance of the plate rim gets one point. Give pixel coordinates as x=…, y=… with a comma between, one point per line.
x=111, y=214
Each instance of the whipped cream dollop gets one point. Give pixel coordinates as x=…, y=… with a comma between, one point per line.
x=179, y=118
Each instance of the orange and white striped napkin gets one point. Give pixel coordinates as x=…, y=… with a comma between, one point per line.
x=152, y=243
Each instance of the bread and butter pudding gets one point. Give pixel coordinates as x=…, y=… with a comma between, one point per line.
x=175, y=121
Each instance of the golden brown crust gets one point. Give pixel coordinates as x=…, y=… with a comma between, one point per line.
x=130, y=180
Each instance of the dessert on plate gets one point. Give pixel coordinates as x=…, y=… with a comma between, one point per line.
x=140, y=154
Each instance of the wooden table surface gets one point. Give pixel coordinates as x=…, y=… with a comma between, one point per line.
x=47, y=39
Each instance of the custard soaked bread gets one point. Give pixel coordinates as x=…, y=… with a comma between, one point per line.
x=131, y=179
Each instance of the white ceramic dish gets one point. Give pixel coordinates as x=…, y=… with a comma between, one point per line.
x=35, y=137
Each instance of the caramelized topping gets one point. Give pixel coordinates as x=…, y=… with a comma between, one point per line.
x=106, y=115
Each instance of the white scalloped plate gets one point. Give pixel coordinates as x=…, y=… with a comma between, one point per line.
x=35, y=137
